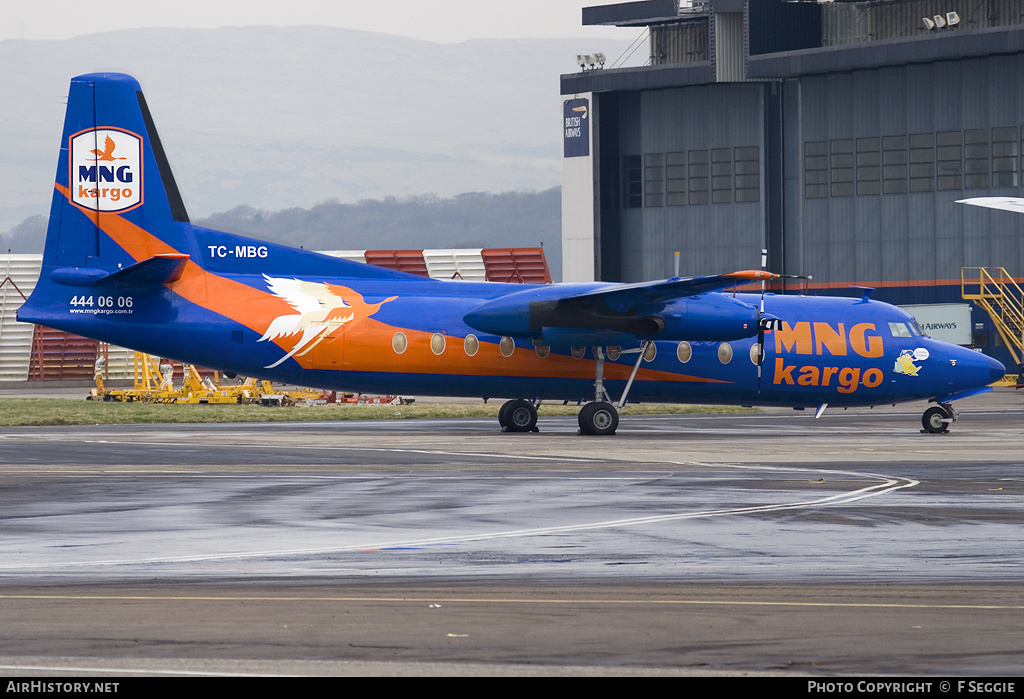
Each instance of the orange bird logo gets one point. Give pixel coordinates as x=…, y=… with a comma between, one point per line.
x=321, y=311
x=108, y=151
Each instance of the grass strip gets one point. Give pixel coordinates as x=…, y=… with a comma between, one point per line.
x=15, y=412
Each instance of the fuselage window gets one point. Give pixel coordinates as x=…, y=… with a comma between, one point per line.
x=725, y=353
x=542, y=350
x=507, y=346
x=651, y=353
x=437, y=343
x=471, y=345
x=578, y=352
x=613, y=352
x=399, y=343
x=684, y=351
x=755, y=353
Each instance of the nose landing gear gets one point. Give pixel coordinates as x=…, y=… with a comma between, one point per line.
x=938, y=418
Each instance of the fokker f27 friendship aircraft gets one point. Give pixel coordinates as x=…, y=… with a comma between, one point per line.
x=123, y=264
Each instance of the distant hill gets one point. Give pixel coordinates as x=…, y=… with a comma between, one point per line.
x=474, y=220
x=272, y=118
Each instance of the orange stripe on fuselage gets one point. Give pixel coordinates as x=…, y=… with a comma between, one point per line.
x=363, y=352
x=366, y=345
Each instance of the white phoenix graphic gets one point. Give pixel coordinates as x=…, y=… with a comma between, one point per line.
x=320, y=312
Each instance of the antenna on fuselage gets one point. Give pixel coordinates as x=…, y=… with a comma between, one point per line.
x=866, y=296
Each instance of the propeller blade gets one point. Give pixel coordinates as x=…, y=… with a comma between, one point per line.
x=761, y=320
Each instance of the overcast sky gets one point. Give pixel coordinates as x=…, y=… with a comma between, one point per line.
x=442, y=21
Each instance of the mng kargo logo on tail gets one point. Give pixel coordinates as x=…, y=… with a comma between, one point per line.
x=106, y=169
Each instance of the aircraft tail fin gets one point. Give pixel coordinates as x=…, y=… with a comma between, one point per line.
x=119, y=233
x=115, y=201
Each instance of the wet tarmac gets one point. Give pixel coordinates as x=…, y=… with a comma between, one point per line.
x=821, y=525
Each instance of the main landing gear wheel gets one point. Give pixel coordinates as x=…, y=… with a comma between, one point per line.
x=518, y=416
x=598, y=418
x=937, y=419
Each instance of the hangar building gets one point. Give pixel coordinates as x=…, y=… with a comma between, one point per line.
x=837, y=135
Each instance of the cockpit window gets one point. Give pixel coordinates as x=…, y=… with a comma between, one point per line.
x=899, y=329
x=905, y=329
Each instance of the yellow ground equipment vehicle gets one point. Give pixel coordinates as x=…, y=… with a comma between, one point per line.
x=154, y=384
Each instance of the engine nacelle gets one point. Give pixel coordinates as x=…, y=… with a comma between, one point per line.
x=708, y=317
x=538, y=312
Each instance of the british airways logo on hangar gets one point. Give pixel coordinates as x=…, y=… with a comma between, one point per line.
x=106, y=169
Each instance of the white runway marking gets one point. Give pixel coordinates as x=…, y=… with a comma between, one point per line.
x=389, y=450
x=884, y=485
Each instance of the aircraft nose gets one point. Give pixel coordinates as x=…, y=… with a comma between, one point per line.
x=975, y=369
x=996, y=369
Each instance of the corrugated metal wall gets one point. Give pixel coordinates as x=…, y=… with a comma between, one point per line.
x=410, y=261
x=729, y=46
x=516, y=265
x=679, y=43
x=20, y=273
x=849, y=22
x=872, y=163
x=61, y=356
x=690, y=179
x=467, y=265
x=858, y=171
x=886, y=154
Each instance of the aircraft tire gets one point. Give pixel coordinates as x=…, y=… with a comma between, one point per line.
x=598, y=418
x=503, y=413
x=932, y=420
x=520, y=416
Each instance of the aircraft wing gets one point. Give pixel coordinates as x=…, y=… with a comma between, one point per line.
x=1004, y=203
x=579, y=314
x=628, y=295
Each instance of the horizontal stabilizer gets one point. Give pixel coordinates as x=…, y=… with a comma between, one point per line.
x=155, y=271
